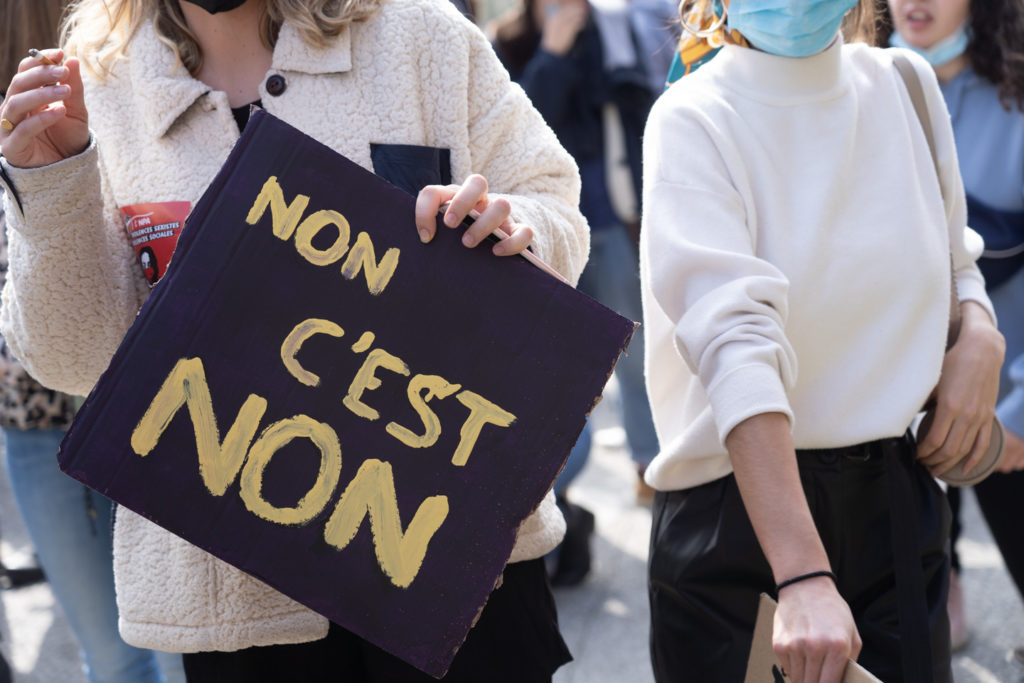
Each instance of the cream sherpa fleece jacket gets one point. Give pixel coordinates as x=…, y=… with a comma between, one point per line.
x=416, y=73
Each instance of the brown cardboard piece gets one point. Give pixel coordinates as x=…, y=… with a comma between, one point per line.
x=764, y=667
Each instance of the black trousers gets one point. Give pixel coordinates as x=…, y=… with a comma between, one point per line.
x=999, y=498
x=707, y=570
x=516, y=640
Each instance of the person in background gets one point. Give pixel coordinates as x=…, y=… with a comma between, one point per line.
x=593, y=70
x=977, y=51
x=466, y=7
x=147, y=105
x=791, y=343
x=70, y=525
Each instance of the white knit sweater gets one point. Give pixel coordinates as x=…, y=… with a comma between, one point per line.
x=417, y=73
x=795, y=253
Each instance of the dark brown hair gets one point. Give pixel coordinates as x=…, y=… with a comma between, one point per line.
x=515, y=36
x=996, y=49
x=25, y=24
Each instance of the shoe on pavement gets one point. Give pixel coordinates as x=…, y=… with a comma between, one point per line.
x=572, y=563
x=958, y=633
x=17, y=578
x=644, y=491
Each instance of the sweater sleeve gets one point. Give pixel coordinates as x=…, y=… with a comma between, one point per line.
x=1011, y=409
x=73, y=288
x=965, y=244
x=727, y=305
x=523, y=161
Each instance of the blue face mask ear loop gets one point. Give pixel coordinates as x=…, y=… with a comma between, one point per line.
x=944, y=51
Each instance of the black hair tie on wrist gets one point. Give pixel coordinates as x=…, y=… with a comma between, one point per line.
x=811, y=575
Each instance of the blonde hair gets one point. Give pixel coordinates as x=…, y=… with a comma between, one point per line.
x=98, y=31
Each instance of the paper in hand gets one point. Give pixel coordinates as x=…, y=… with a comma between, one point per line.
x=764, y=667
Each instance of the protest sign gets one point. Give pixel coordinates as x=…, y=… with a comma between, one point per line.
x=360, y=420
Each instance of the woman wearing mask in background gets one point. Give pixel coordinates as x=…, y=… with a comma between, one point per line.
x=977, y=51
x=70, y=526
x=791, y=342
x=146, y=108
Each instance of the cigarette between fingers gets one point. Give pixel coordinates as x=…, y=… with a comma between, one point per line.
x=36, y=54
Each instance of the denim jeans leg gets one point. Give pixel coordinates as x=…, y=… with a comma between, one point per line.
x=172, y=666
x=577, y=459
x=70, y=527
x=612, y=277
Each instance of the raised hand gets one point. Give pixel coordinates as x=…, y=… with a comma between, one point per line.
x=43, y=116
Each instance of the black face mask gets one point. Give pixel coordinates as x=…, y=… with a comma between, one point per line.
x=214, y=6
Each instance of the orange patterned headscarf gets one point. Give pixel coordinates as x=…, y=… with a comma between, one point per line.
x=704, y=34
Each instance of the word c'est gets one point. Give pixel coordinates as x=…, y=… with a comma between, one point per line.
x=242, y=456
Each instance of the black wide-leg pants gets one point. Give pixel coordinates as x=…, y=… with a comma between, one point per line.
x=516, y=640
x=885, y=525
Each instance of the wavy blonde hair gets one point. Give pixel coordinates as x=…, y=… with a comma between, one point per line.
x=98, y=31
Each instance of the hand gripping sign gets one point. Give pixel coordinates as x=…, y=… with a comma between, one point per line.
x=309, y=381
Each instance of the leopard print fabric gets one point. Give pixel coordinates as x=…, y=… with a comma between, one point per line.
x=24, y=402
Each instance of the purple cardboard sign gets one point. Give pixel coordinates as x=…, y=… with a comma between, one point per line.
x=360, y=420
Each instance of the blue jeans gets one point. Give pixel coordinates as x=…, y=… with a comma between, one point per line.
x=70, y=527
x=577, y=459
x=612, y=277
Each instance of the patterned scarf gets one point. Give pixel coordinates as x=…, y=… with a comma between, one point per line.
x=697, y=50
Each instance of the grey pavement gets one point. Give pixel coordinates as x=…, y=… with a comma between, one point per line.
x=604, y=620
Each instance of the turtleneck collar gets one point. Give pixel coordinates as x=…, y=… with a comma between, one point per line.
x=782, y=80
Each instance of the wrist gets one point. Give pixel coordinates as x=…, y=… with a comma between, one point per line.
x=977, y=327
x=555, y=46
x=809, y=576
x=975, y=316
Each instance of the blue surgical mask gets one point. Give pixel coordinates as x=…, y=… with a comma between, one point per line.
x=789, y=28
x=942, y=52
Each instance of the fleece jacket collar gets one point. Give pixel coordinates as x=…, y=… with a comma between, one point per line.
x=165, y=90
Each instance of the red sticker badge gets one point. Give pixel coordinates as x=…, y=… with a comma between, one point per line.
x=153, y=230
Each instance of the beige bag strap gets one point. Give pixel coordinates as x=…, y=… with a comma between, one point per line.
x=916, y=92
